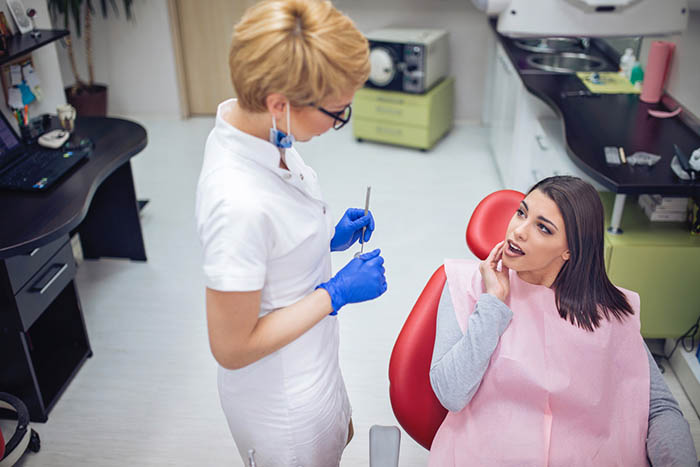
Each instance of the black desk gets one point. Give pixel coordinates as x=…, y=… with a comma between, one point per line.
x=43, y=339
x=98, y=198
x=593, y=122
x=590, y=123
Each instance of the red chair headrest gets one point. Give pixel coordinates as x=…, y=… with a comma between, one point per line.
x=490, y=219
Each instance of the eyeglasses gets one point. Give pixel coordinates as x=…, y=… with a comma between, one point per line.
x=340, y=118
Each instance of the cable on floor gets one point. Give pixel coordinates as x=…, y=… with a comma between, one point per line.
x=687, y=340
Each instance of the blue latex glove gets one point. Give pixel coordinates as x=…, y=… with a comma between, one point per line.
x=360, y=280
x=349, y=229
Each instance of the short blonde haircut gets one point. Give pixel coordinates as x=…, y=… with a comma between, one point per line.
x=305, y=50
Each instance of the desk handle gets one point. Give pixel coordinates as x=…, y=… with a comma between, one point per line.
x=390, y=100
x=390, y=131
x=388, y=110
x=536, y=175
x=43, y=288
x=34, y=251
x=541, y=142
x=505, y=66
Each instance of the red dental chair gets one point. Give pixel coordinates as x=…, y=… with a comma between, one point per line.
x=415, y=406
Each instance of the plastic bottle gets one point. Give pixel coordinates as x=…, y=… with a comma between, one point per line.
x=627, y=62
x=637, y=75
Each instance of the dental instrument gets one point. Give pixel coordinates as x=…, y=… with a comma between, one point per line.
x=362, y=236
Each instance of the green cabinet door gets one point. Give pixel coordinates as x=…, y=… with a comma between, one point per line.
x=661, y=262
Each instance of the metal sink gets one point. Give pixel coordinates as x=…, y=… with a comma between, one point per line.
x=566, y=62
x=553, y=44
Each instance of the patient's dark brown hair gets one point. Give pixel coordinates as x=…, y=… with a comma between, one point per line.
x=584, y=294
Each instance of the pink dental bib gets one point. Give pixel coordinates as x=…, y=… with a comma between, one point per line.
x=553, y=394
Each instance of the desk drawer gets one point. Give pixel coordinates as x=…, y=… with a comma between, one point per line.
x=429, y=110
x=21, y=268
x=393, y=107
x=389, y=133
x=45, y=285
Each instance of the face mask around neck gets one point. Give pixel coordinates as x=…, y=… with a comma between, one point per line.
x=279, y=138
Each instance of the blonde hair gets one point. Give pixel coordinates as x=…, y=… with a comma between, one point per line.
x=305, y=50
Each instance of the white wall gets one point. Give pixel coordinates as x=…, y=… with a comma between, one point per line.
x=46, y=64
x=134, y=58
x=684, y=75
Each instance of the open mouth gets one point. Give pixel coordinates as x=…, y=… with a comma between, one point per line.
x=514, y=249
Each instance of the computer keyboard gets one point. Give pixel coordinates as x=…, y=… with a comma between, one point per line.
x=40, y=168
x=33, y=163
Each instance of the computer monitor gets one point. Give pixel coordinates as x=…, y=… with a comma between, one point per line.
x=10, y=144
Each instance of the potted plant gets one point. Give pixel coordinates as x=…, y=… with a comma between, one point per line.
x=88, y=97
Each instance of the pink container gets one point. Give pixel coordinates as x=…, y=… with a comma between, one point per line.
x=658, y=64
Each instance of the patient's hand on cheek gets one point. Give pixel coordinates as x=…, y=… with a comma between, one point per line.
x=496, y=283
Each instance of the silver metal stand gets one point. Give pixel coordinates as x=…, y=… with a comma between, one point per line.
x=616, y=218
x=251, y=458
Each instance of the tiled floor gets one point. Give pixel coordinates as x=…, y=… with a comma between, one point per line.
x=148, y=396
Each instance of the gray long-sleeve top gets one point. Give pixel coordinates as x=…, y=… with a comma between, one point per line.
x=460, y=361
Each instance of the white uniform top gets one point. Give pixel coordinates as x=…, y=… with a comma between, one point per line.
x=266, y=228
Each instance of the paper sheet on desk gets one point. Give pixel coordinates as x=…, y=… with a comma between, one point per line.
x=611, y=82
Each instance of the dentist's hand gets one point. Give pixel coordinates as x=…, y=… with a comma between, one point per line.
x=349, y=228
x=496, y=283
x=360, y=280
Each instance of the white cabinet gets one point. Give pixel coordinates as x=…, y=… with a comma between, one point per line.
x=547, y=152
x=505, y=87
x=526, y=137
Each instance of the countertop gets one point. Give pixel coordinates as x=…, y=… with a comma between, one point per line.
x=593, y=122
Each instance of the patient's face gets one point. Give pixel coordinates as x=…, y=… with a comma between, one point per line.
x=536, y=240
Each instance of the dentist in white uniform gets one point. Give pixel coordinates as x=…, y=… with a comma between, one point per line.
x=266, y=233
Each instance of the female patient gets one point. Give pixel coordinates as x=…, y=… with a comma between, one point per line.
x=541, y=362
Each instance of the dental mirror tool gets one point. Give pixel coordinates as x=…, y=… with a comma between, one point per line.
x=362, y=236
